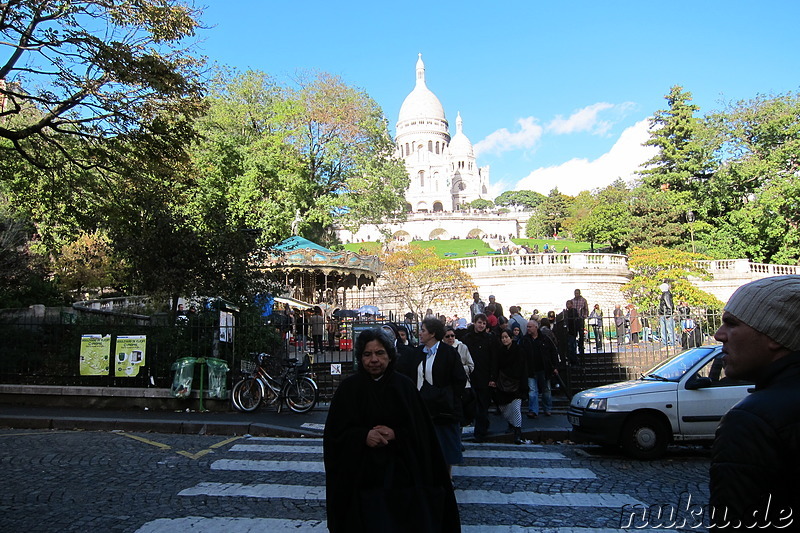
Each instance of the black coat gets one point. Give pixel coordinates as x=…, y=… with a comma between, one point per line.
x=448, y=375
x=756, y=453
x=482, y=346
x=511, y=363
x=540, y=354
x=407, y=474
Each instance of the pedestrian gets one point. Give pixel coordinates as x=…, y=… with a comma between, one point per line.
x=619, y=323
x=482, y=346
x=468, y=396
x=384, y=468
x=541, y=361
x=317, y=323
x=477, y=307
x=516, y=318
x=498, y=307
x=436, y=370
x=582, y=307
x=634, y=323
x=755, y=460
x=596, y=323
x=666, y=319
x=509, y=380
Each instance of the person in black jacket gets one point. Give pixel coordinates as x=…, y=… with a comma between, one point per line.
x=384, y=469
x=666, y=316
x=435, y=368
x=541, y=361
x=482, y=346
x=755, y=462
x=510, y=380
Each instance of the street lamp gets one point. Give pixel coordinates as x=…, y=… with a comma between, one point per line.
x=690, y=219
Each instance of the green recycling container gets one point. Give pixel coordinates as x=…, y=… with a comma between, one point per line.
x=182, y=382
x=217, y=372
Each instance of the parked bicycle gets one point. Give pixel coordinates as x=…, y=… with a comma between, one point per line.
x=294, y=387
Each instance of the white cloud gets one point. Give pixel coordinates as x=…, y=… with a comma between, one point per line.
x=503, y=140
x=579, y=174
x=587, y=119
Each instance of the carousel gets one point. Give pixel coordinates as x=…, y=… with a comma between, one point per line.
x=313, y=273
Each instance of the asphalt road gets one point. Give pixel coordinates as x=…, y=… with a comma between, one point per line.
x=97, y=481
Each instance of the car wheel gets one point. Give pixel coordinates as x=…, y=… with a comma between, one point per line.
x=644, y=437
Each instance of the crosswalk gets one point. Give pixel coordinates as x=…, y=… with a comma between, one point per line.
x=498, y=488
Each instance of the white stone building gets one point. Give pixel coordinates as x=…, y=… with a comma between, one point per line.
x=443, y=171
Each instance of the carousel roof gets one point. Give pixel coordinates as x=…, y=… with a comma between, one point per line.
x=297, y=254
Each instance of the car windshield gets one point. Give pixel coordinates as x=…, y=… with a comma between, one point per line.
x=674, y=369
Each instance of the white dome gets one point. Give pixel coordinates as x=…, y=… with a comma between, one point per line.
x=421, y=102
x=460, y=144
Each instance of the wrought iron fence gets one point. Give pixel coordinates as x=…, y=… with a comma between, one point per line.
x=45, y=347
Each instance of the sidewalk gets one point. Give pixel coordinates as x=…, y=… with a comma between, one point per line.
x=263, y=422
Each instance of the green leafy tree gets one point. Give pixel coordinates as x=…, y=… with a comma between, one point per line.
x=320, y=150
x=683, y=160
x=753, y=197
x=555, y=211
x=658, y=219
x=98, y=83
x=480, y=203
x=525, y=199
x=653, y=266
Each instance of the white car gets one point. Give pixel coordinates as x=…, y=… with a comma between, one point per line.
x=682, y=399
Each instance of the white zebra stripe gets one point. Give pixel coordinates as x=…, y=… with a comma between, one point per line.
x=470, y=453
x=464, y=497
x=198, y=524
x=458, y=471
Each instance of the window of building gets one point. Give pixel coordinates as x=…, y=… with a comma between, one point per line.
x=430, y=146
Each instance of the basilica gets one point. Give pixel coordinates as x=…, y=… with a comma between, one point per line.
x=444, y=178
x=443, y=172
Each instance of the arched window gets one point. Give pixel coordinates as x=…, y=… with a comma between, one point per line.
x=407, y=151
x=421, y=178
x=430, y=146
x=437, y=147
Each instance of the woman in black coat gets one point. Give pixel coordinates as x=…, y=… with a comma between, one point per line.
x=509, y=378
x=384, y=469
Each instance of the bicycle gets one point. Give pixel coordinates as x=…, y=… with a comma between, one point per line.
x=294, y=387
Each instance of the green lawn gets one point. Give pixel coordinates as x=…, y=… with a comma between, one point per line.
x=465, y=247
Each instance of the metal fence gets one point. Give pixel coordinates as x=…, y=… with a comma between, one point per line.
x=45, y=348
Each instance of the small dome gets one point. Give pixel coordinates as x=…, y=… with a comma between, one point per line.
x=421, y=102
x=460, y=144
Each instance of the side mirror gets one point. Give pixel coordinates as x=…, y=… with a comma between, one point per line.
x=698, y=383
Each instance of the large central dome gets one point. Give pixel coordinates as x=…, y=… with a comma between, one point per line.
x=421, y=102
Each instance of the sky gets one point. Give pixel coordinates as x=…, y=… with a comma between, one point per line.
x=552, y=94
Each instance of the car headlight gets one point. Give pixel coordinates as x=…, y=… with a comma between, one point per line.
x=597, y=404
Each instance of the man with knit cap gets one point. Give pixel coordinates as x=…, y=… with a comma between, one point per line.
x=755, y=464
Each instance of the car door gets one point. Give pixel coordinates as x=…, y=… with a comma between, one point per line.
x=705, y=396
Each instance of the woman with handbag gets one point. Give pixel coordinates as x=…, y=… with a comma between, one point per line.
x=509, y=378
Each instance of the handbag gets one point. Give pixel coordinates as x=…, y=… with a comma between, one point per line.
x=438, y=400
x=506, y=383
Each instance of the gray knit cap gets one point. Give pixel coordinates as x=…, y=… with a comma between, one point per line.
x=770, y=306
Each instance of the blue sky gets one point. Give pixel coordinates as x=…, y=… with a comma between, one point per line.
x=551, y=93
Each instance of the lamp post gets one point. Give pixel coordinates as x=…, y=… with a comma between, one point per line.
x=690, y=219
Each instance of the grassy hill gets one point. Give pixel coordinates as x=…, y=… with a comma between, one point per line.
x=467, y=247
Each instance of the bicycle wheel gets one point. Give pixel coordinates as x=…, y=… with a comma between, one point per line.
x=246, y=395
x=302, y=395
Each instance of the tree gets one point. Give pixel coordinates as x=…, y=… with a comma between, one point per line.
x=658, y=218
x=683, y=160
x=480, y=203
x=98, y=83
x=525, y=199
x=753, y=198
x=554, y=211
x=653, y=266
x=419, y=279
x=320, y=150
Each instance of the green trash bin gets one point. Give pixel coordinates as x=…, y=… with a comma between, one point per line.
x=217, y=371
x=184, y=372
